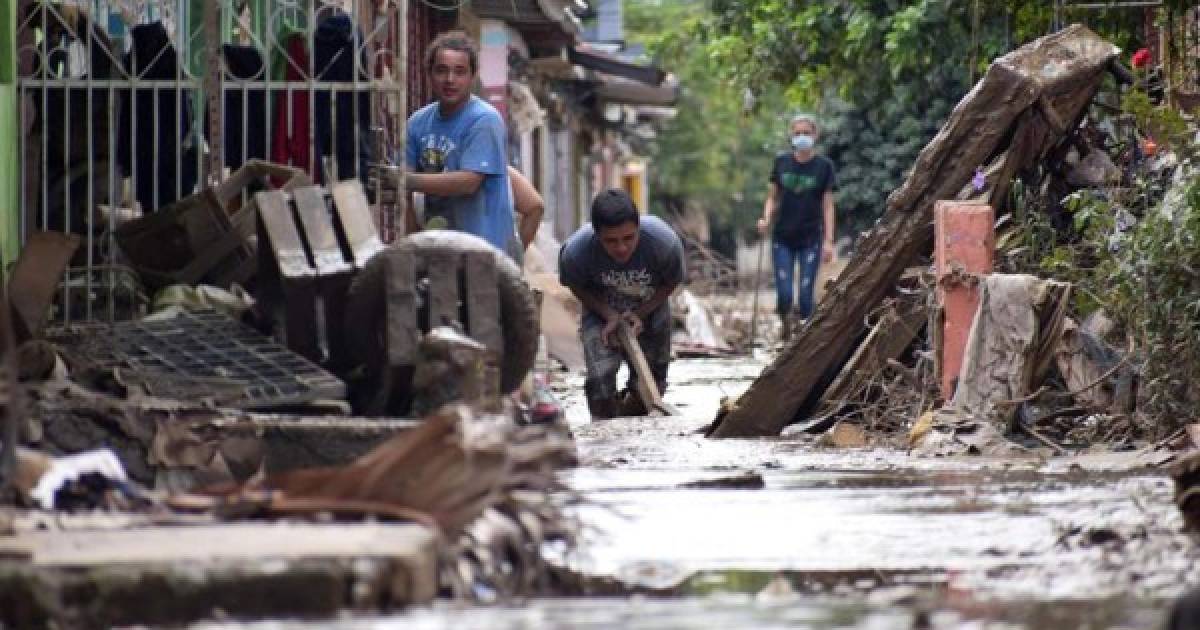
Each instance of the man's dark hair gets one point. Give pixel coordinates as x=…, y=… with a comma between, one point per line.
x=611, y=208
x=452, y=40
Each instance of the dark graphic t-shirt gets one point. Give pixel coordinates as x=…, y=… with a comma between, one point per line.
x=657, y=261
x=802, y=186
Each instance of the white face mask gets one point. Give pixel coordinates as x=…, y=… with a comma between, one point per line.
x=802, y=142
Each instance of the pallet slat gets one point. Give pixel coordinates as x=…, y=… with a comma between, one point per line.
x=401, y=277
x=483, y=301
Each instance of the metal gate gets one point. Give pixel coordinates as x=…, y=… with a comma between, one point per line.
x=127, y=106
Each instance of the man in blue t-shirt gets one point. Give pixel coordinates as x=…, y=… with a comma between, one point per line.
x=456, y=149
x=800, y=216
x=623, y=268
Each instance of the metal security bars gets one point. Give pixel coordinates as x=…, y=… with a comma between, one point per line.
x=128, y=106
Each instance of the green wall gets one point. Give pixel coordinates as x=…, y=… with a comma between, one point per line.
x=10, y=208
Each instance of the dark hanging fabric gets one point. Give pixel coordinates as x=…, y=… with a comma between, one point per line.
x=290, y=144
x=343, y=127
x=70, y=130
x=246, y=119
x=159, y=143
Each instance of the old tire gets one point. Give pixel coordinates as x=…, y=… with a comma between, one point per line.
x=364, y=325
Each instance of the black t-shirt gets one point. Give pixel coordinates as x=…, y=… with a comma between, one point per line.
x=802, y=186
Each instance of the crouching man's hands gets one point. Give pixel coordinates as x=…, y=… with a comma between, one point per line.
x=613, y=323
x=634, y=322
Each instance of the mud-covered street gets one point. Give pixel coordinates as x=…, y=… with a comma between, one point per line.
x=591, y=314
x=685, y=532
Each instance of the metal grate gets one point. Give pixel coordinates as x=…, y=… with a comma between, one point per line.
x=203, y=354
x=125, y=108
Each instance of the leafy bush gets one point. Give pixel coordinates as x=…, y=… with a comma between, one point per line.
x=1134, y=252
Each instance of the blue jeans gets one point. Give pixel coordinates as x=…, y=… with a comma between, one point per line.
x=785, y=257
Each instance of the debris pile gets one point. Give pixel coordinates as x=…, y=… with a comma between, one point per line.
x=879, y=354
x=232, y=407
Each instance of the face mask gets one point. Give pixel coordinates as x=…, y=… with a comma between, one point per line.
x=802, y=142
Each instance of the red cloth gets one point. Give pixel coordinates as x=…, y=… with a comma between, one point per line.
x=292, y=144
x=1141, y=58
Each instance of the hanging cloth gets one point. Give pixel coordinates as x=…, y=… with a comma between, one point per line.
x=292, y=144
x=342, y=128
x=155, y=123
x=246, y=121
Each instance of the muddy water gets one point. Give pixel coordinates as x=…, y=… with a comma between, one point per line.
x=815, y=537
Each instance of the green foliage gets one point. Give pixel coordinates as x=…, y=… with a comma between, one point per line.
x=882, y=74
x=1166, y=126
x=1134, y=252
x=715, y=153
x=1145, y=273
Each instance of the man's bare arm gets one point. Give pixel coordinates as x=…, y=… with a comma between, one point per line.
x=660, y=295
x=527, y=203
x=450, y=184
x=594, y=303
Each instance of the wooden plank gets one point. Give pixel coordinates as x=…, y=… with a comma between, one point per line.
x=444, y=268
x=889, y=338
x=989, y=121
x=35, y=277
x=646, y=386
x=283, y=236
x=313, y=213
x=400, y=275
x=354, y=217
x=483, y=301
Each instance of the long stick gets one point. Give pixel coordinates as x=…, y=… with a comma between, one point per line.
x=756, y=285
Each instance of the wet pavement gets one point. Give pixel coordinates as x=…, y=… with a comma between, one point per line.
x=815, y=537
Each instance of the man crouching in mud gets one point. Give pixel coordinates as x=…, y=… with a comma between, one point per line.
x=623, y=268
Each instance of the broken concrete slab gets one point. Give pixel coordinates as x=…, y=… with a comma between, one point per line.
x=176, y=575
x=1025, y=103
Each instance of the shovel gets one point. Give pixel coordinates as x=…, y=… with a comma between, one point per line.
x=646, y=387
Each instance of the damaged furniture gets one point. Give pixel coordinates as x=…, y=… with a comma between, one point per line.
x=203, y=238
x=431, y=279
x=311, y=250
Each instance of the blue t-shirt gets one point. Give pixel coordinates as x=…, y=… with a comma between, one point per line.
x=472, y=139
x=657, y=261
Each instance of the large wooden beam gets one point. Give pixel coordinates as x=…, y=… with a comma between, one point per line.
x=1024, y=103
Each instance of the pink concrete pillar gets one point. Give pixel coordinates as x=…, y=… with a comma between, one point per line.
x=964, y=242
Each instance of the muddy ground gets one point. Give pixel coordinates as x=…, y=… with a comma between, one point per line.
x=686, y=532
